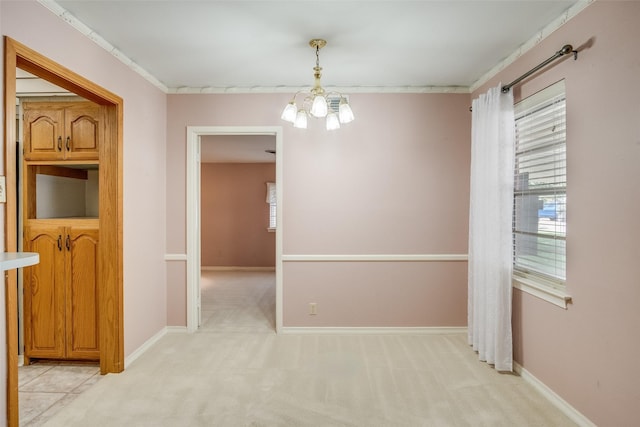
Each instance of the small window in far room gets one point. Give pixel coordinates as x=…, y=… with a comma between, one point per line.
x=271, y=200
x=540, y=190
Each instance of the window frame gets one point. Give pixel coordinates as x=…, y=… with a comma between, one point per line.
x=538, y=283
x=271, y=200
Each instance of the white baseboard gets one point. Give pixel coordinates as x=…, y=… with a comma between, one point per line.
x=144, y=347
x=151, y=341
x=236, y=268
x=374, y=330
x=176, y=329
x=556, y=400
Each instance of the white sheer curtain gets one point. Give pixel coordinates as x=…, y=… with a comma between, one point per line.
x=490, y=219
x=271, y=192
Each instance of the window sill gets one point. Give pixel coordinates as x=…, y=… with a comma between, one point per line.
x=271, y=230
x=542, y=290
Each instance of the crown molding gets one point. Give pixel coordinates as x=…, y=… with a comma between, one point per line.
x=532, y=42
x=63, y=14
x=96, y=38
x=343, y=89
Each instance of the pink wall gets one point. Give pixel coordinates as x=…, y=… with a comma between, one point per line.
x=588, y=353
x=144, y=159
x=376, y=294
x=235, y=215
x=393, y=182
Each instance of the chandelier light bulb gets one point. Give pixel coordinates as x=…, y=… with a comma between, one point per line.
x=346, y=115
x=332, y=121
x=290, y=112
x=319, y=107
x=301, y=120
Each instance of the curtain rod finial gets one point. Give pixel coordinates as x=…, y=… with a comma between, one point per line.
x=566, y=49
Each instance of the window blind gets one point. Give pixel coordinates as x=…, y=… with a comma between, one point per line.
x=271, y=199
x=272, y=215
x=540, y=190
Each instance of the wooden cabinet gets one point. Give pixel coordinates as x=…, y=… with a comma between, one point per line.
x=61, y=292
x=61, y=143
x=62, y=131
x=44, y=298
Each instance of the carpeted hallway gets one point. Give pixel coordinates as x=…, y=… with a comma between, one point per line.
x=237, y=372
x=235, y=301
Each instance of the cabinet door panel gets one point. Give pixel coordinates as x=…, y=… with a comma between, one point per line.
x=44, y=298
x=82, y=294
x=43, y=137
x=83, y=131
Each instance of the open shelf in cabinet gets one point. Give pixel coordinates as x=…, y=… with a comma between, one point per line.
x=61, y=190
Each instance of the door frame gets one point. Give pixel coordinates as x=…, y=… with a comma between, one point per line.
x=193, y=213
x=110, y=253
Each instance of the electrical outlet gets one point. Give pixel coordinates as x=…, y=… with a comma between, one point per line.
x=312, y=309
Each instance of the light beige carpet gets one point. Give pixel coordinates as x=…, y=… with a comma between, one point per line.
x=221, y=377
x=238, y=301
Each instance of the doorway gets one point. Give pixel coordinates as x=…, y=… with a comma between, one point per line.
x=111, y=337
x=237, y=233
x=194, y=158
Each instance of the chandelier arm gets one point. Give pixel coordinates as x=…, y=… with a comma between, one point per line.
x=307, y=102
x=335, y=92
x=295, y=95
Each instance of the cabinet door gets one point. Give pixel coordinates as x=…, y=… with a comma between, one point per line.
x=83, y=131
x=82, y=293
x=44, y=293
x=43, y=133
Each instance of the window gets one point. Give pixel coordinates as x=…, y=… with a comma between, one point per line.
x=540, y=190
x=271, y=199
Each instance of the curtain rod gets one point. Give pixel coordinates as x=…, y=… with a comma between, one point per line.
x=566, y=49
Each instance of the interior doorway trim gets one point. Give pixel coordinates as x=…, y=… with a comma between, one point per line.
x=193, y=213
x=110, y=253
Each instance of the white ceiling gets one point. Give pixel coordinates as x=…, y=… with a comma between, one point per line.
x=239, y=45
x=29, y=85
x=247, y=44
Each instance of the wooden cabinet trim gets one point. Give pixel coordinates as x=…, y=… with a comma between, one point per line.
x=61, y=171
x=111, y=204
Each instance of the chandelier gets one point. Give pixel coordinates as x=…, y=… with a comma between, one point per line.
x=317, y=102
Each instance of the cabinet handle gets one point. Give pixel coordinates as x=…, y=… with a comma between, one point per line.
x=59, y=143
x=68, y=243
x=67, y=144
x=60, y=243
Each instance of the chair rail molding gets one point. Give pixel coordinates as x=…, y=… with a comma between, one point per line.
x=374, y=257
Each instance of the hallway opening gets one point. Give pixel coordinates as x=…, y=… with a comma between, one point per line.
x=197, y=137
x=238, y=301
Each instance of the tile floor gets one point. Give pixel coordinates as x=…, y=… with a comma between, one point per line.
x=46, y=387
